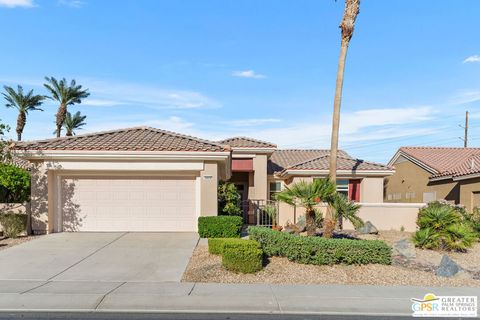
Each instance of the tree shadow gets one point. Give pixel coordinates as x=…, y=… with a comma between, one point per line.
x=71, y=211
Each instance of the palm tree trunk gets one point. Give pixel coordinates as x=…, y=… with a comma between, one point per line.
x=310, y=225
x=21, y=120
x=60, y=118
x=352, y=8
x=69, y=133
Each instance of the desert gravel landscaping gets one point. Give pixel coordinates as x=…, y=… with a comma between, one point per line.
x=204, y=267
x=10, y=242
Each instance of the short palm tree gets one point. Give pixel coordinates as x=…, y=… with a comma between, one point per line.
x=72, y=123
x=23, y=103
x=346, y=209
x=308, y=195
x=67, y=95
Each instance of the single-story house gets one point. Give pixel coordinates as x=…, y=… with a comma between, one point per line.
x=425, y=174
x=147, y=179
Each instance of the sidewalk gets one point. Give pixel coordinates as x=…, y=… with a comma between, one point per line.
x=210, y=297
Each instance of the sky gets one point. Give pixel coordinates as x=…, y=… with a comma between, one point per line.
x=264, y=69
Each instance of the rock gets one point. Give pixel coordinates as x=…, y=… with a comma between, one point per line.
x=291, y=228
x=301, y=225
x=447, y=268
x=368, y=228
x=405, y=248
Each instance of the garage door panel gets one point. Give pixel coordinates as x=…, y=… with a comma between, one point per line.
x=128, y=204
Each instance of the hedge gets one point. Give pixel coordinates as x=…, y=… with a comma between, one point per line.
x=320, y=251
x=216, y=245
x=220, y=226
x=13, y=224
x=243, y=256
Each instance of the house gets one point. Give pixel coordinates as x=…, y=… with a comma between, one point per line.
x=147, y=179
x=424, y=174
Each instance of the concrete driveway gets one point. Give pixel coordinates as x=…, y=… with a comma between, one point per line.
x=109, y=257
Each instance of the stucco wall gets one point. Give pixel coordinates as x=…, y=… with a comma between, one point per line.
x=385, y=216
x=409, y=177
x=209, y=203
x=259, y=189
x=468, y=188
x=371, y=189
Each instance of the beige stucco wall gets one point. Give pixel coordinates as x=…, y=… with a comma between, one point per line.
x=371, y=189
x=40, y=187
x=468, y=188
x=258, y=191
x=384, y=216
x=209, y=203
x=409, y=177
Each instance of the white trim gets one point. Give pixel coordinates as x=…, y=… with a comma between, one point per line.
x=130, y=166
x=356, y=173
x=412, y=159
x=253, y=150
x=123, y=155
x=243, y=156
x=58, y=213
x=440, y=178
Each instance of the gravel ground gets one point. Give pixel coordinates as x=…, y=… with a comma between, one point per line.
x=10, y=242
x=204, y=267
x=469, y=260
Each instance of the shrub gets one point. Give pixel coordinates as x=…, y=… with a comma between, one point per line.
x=228, y=199
x=13, y=224
x=14, y=184
x=220, y=226
x=243, y=256
x=445, y=227
x=216, y=245
x=473, y=219
x=320, y=251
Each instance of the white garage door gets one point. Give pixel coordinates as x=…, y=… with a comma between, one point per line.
x=128, y=204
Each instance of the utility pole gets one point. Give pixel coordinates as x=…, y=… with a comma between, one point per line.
x=465, y=137
x=465, y=140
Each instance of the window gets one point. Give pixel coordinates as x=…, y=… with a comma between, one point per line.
x=389, y=196
x=409, y=195
x=397, y=196
x=429, y=196
x=275, y=187
x=342, y=187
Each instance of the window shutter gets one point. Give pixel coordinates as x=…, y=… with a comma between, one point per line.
x=354, y=190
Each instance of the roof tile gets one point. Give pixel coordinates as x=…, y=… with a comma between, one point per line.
x=246, y=142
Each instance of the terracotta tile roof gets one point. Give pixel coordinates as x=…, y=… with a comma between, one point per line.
x=444, y=161
x=282, y=159
x=131, y=139
x=343, y=163
x=469, y=166
x=246, y=142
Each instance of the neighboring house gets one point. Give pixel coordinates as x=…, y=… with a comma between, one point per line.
x=424, y=174
x=146, y=179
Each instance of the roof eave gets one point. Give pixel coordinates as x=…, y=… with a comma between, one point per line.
x=261, y=150
x=412, y=159
x=314, y=172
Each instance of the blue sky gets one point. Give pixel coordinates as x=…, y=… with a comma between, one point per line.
x=264, y=69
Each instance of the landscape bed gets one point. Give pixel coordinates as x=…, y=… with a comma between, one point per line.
x=205, y=267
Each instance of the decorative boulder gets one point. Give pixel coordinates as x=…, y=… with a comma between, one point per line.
x=368, y=228
x=447, y=268
x=301, y=225
x=291, y=228
x=404, y=248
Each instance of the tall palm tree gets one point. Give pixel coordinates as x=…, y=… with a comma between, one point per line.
x=67, y=95
x=352, y=8
x=23, y=103
x=72, y=123
x=308, y=195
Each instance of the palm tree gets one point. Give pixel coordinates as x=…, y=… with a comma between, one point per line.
x=347, y=210
x=308, y=195
x=67, y=95
x=72, y=123
x=352, y=8
x=23, y=103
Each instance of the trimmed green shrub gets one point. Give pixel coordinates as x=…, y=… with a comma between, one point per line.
x=243, y=256
x=228, y=199
x=320, y=251
x=216, y=245
x=220, y=226
x=13, y=224
x=14, y=184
